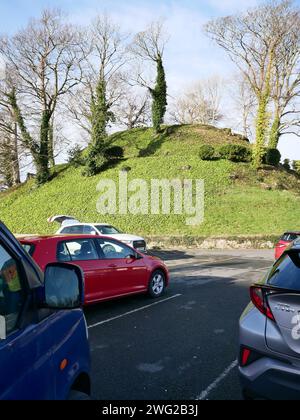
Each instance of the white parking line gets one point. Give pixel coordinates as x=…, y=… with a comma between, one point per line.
x=204, y=394
x=132, y=312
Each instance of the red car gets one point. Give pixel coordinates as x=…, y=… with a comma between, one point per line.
x=111, y=268
x=286, y=240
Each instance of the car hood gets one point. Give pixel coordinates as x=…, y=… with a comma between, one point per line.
x=124, y=237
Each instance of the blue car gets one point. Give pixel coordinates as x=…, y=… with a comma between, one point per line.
x=44, y=349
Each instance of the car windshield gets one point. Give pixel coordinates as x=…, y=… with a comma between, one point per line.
x=107, y=230
x=286, y=272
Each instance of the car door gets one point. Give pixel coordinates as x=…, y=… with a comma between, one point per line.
x=25, y=346
x=83, y=253
x=127, y=272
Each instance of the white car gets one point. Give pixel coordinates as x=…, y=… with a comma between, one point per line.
x=71, y=226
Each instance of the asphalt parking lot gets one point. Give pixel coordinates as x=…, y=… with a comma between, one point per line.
x=183, y=346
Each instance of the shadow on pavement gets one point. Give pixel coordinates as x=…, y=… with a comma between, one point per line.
x=170, y=255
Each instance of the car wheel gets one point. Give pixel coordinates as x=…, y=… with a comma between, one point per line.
x=157, y=285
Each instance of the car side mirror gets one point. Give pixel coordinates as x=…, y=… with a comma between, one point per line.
x=2, y=328
x=64, y=286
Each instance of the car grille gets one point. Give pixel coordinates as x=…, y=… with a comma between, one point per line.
x=139, y=245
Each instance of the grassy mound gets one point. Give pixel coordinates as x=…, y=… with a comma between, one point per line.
x=239, y=200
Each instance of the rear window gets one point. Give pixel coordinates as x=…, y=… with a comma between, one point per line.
x=29, y=248
x=289, y=237
x=108, y=230
x=286, y=272
x=77, y=250
x=73, y=230
x=89, y=230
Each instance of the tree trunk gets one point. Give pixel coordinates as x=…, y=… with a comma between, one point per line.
x=262, y=120
x=261, y=129
x=159, y=97
x=275, y=133
x=15, y=158
x=40, y=153
x=51, y=144
x=100, y=116
x=42, y=162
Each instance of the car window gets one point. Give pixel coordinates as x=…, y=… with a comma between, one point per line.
x=77, y=250
x=73, y=230
x=63, y=254
x=285, y=273
x=89, y=230
x=29, y=248
x=11, y=291
x=113, y=250
x=289, y=237
x=107, y=230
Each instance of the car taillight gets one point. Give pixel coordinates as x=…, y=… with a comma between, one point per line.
x=259, y=300
x=247, y=357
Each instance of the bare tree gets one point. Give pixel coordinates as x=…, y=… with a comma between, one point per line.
x=149, y=45
x=200, y=104
x=252, y=40
x=8, y=161
x=9, y=138
x=286, y=90
x=102, y=86
x=45, y=58
x=244, y=105
x=134, y=110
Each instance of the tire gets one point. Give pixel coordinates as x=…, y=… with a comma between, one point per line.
x=78, y=396
x=157, y=285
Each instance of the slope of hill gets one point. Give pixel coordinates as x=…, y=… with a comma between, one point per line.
x=238, y=199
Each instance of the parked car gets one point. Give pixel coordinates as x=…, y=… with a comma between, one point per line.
x=71, y=226
x=44, y=350
x=285, y=241
x=270, y=333
x=111, y=268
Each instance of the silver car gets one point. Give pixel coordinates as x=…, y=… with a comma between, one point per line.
x=269, y=361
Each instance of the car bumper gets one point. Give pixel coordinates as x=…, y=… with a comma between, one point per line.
x=271, y=380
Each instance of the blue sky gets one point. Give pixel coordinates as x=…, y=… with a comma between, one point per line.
x=184, y=18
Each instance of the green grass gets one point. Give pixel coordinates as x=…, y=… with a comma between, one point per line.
x=237, y=202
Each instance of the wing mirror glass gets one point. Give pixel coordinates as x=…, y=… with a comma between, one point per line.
x=64, y=286
x=2, y=328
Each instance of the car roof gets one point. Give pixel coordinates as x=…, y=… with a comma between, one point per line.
x=86, y=224
x=35, y=239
